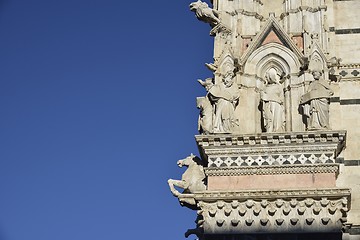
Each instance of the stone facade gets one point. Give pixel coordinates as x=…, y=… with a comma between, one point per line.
x=279, y=155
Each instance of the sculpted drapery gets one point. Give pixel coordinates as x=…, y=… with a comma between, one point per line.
x=316, y=103
x=225, y=96
x=272, y=103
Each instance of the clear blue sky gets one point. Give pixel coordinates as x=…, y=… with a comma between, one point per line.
x=97, y=103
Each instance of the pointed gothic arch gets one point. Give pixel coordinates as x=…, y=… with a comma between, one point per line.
x=272, y=55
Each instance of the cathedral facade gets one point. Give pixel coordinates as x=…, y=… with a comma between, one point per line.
x=279, y=149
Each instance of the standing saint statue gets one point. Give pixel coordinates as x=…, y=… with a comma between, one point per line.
x=225, y=96
x=205, y=122
x=272, y=98
x=316, y=103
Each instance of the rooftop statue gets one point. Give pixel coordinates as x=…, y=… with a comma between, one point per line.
x=204, y=13
x=272, y=103
x=316, y=103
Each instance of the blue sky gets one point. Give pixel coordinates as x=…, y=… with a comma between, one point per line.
x=98, y=102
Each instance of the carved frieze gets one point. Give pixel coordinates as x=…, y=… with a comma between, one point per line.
x=273, y=159
x=319, y=214
x=271, y=170
x=320, y=147
x=280, y=211
x=274, y=138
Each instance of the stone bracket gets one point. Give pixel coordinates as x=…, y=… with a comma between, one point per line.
x=284, y=211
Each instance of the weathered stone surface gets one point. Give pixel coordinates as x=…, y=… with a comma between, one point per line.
x=266, y=118
x=279, y=181
x=281, y=211
x=271, y=148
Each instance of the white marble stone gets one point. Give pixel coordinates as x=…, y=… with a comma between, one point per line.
x=239, y=142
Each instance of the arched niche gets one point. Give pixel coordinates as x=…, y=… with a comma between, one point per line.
x=272, y=53
x=287, y=63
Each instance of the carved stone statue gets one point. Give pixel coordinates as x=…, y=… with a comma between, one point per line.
x=225, y=96
x=193, y=178
x=206, y=116
x=272, y=103
x=205, y=122
x=316, y=103
x=204, y=13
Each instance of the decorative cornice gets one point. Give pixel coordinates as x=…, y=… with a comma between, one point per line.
x=192, y=200
x=318, y=147
x=288, y=150
x=272, y=170
x=264, y=139
x=211, y=196
x=347, y=31
x=350, y=65
x=350, y=79
x=348, y=72
x=275, y=215
x=303, y=8
x=246, y=13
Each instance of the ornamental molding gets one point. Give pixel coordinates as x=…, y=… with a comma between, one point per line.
x=264, y=139
x=318, y=148
x=301, y=9
x=247, y=13
x=351, y=79
x=273, y=215
x=288, y=48
x=271, y=159
x=192, y=200
x=272, y=170
x=350, y=65
x=213, y=196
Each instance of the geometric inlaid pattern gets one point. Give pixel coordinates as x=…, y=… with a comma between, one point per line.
x=268, y=160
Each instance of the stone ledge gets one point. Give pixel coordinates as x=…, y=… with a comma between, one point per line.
x=312, y=147
x=283, y=211
x=272, y=170
x=275, y=139
x=265, y=194
x=273, y=216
